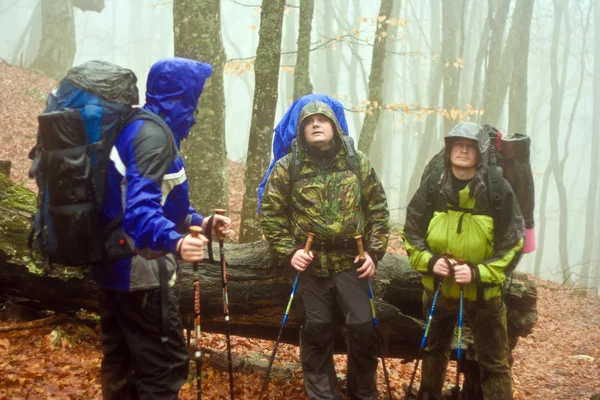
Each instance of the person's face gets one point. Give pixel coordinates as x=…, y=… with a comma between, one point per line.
x=464, y=153
x=318, y=131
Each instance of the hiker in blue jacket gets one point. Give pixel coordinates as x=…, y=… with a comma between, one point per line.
x=148, y=214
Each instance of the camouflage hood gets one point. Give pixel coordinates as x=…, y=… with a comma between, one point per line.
x=318, y=107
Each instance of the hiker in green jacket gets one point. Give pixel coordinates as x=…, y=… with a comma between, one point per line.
x=456, y=238
x=330, y=200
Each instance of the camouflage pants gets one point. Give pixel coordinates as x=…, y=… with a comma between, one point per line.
x=488, y=325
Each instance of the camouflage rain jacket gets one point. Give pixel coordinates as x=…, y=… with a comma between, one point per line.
x=464, y=224
x=327, y=199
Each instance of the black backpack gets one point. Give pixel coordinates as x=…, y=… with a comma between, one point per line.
x=77, y=131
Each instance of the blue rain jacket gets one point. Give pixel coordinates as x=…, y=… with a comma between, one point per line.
x=285, y=132
x=146, y=179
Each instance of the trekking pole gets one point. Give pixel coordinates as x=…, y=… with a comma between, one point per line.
x=362, y=258
x=456, y=389
x=195, y=231
x=424, y=339
x=285, y=317
x=226, y=306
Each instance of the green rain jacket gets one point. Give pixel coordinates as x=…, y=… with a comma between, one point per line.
x=325, y=200
x=463, y=224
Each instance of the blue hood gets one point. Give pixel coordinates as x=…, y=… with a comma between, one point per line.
x=285, y=132
x=173, y=89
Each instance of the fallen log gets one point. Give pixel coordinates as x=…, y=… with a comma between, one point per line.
x=258, y=291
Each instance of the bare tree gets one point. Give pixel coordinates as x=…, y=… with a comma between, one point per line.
x=517, y=98
x=266, y=69
x=558, y=85
x=430, y=133
x=367, y=132
x=587, y=259
x=302, y=84
x=197, y=29
x=385, y=128
x=495, y=70
x=57, y=46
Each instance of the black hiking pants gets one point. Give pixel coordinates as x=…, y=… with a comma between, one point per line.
x=315, y=309
x=136, y=364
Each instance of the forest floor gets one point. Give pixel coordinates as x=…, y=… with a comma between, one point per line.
x=559, y=360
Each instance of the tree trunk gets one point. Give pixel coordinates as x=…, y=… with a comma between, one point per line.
x=266, y=69
x=451, y=29
x=498, y=18
x=556, y=102
x=482, y=52
x=258, y=292
x=517, y=97
x=587, y=259
x=385, y=131
x=373, y=111
x=197, y=33
x=57, y=46
x=302, y=84
x=429, y=135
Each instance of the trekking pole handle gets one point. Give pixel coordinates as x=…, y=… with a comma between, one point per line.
x=309, y=241
x=195, y=231
x=361, y=249
x=219, y=211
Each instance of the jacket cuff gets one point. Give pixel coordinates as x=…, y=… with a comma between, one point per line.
x=475, y=272
x=434, y=258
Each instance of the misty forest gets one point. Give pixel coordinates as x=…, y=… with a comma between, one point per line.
x=406, y=72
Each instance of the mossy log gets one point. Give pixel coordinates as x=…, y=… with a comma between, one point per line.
x=258, y=291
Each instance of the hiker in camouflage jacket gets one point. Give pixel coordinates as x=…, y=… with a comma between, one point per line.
x=328, y=199
x=454, y=236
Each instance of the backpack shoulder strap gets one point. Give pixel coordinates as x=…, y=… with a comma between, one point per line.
x=141, y=114
x=352, y=158
x=295, y=164
x=495, y=177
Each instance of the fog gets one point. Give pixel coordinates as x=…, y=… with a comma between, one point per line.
x=135, y=33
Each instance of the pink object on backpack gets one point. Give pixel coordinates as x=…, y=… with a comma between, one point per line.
x=529, y=244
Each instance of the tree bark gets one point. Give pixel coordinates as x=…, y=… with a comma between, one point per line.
x=451, y=45
x=430, y=133
x=57, y=46
x=595, y=131
x=266, y=69
x=197, y=33
x=258, y=292
x=558, y=83
x=89, y=5
x=367, y=133
x=302, y=84
x=498, y=17
x=587, y=259
x=517, y=97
